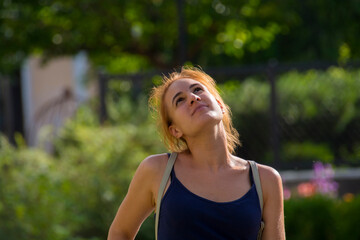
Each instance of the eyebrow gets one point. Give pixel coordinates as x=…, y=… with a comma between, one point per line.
x=177, y=94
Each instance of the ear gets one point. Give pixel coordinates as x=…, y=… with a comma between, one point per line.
x=175, y=131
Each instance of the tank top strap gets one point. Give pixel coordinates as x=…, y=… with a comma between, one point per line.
x=251, y=176
x=172, y=175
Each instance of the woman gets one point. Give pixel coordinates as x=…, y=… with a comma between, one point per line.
x=210, y=194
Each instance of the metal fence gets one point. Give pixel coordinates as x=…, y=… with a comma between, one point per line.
x=278, y=130
x=10, y=106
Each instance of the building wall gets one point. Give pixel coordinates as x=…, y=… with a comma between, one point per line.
x=51, y=92
x=50, y=80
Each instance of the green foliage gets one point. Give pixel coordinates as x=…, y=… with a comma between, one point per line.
x=105, y=158
x=306, y=151
x=130, y=36
x=318, y=115
x=322, y=107
x=320, y=217
x=347, y=219
x=316, y=93
x=123, y=106
x=75, y=193
x=250, y=95
x=30, y=205
x=310, y=218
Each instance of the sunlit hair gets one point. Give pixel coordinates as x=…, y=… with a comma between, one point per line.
x=156, y=103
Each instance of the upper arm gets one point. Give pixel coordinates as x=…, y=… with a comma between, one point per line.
x=273, y=212
x=138, y=202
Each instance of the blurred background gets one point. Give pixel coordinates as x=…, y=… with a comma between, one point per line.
x=74, y=121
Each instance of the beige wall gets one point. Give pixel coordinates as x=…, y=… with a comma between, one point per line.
x=43, y=86
x=50, y=80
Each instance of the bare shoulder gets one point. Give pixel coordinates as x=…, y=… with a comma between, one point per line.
x=148, y=174
x=270, y=178
x=153, y=165
x=151, y=171
x=268, y=173
x=154, y=162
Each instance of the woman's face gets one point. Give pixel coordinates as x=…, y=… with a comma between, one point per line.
x=191, y=107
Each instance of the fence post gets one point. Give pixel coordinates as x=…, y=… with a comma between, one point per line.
x=274, y=137
x=6, y=91
x=102, y=94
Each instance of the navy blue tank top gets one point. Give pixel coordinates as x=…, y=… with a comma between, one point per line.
x=186, y=216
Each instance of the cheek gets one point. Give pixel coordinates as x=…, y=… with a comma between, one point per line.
x=179, y=113
x=217, y=109
x=213, y=102
x=175, y=115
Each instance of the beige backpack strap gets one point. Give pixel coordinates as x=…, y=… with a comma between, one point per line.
x=255, y=173
x=163, y=183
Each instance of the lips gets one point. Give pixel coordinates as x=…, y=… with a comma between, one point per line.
x=197, y=108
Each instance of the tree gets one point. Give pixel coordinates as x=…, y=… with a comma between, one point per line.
x=144, y=34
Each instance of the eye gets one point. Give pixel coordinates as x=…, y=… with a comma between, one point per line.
x=197, y=89
x=178, y=100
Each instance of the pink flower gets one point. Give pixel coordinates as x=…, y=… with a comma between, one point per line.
x=306, y=189
x=323, y=179
x=287, y=193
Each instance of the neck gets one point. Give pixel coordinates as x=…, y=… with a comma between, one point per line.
x=209, y=149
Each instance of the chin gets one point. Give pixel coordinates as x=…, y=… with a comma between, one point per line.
x=209, y=119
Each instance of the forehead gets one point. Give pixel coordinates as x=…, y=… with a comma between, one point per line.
x=182, y=84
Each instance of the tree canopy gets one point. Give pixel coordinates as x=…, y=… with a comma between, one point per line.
x=141, y=34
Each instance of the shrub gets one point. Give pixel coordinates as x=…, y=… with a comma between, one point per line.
x=321, y=217
x=347, y=219
x=310, y=218
x=31, y=205
x=75, y=193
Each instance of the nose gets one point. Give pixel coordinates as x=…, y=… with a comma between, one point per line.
x=193, y=98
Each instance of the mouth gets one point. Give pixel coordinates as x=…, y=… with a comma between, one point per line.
x=198, y=108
